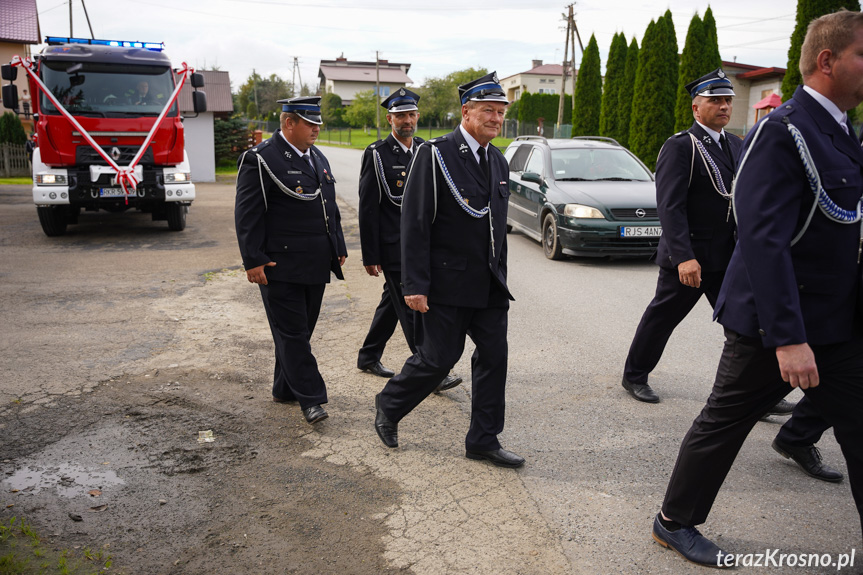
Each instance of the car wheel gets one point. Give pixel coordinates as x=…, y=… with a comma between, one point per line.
x=53, y=219
x=176, y=214
x=550, y=240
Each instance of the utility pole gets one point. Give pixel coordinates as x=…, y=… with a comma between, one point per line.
x=563, y=72
x=88, y=19
x=71, y=33
x=378, y=93
x=572, y=37
x=296, y=74
x=255, y=91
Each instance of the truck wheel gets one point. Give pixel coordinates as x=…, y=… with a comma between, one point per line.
x=53, y=219
x=176, y=215
x=550, y=242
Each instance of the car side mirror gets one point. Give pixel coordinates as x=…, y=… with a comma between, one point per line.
x=199, y=102
x=532, y=177
x=197, y=80
x=10, y=97
x=9, y=72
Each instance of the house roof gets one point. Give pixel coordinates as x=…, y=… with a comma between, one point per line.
x=217, y=86
x=762, y=73
x=351, y=73
x=18, y=22
x=543, y=70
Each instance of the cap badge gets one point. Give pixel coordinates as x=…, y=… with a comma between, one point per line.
x=402, y=92
x=494, y=77
x=721, y=74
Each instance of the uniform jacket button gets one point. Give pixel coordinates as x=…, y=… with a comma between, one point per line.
x=762, y=333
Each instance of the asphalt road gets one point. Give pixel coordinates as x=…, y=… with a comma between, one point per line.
x=598, y=461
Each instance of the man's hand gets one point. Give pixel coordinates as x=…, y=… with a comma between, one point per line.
x=417, y=302
x=342, y=260
x=257, y=275
x=373, y=270
x=690, y=273
x=797, y=365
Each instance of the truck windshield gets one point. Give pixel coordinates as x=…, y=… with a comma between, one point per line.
x=108, y=90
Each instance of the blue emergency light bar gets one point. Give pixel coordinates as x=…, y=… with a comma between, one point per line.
x=154, y=46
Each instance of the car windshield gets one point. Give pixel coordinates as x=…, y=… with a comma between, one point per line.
x=596, y=164
x=108, y=90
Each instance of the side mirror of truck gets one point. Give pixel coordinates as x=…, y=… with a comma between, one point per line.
x=197, y=80
x=9, y=72
x=199, y=102
x=10, y=96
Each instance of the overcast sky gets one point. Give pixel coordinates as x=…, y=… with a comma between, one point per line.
x=436, y=37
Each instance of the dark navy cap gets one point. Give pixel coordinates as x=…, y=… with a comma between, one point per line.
x=716, y=83
x=485, y=89
x=402, y=100
x=306, y=107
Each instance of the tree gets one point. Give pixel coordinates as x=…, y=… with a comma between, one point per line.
x=439, y=101
x=624, y=99
x=615, y=71
x=268, y=91
x=362, y=111
x=652, y=120
x=807, y=10
x=332, y=112
x=712, y=59
x=691, y=67
x=11, y=130
x=531, y=107
x=588, y=93
x=230, y=139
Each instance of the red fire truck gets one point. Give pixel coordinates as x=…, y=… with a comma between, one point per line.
x=116, y=91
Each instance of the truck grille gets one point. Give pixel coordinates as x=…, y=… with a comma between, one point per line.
x=86, y=155
x=629, y=214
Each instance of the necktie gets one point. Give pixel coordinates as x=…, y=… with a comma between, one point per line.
x=723, y=141
x=308, y=160
x=410, y=154
x=483, y=163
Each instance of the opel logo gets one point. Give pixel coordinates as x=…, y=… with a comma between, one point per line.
x=115, y=153
x=639, y=212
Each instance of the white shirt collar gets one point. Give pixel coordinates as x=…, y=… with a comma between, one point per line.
x=472, y=143
x=828, y=105
x=308, y=152
x=713, y=133
x=404, y=148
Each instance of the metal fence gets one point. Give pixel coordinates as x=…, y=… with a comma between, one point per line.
x=14, y=161
x=513, y=128
x=268, y=126
x=340, y=136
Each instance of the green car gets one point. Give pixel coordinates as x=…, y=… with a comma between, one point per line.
x=588, y=196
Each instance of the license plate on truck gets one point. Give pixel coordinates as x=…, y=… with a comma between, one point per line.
x=640, y=231
x=111, y=193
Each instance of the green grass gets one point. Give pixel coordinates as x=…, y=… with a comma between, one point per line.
x=15, y=181
x=360, y=139
x=22, y=552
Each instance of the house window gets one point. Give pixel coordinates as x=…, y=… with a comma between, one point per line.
x=385, y=91
x=542, y=80
x=551, y=80
x=546, y=90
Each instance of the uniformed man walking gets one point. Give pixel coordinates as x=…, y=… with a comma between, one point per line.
x=290, y=235
x=453, y=228
x=382, y=177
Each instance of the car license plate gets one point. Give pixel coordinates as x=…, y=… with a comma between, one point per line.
x=640, y=231
x=111, y=193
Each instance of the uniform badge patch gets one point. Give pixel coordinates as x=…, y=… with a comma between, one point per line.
x=463, y=148
x=400, y=183
x=299, y=190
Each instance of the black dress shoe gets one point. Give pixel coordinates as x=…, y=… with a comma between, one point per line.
x=378, y=369
x=809, y=460
x=387, y=430
x=448, y=382
x=315, y=413
x=640, y=391
x=783, y=407
x=500, y=457
x=690, y=544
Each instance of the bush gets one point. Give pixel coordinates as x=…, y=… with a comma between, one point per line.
x=231, y=138
x=11, y=130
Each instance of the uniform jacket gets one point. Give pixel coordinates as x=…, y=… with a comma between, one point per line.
x=695, y=219
x=304, y=238
x=446, y=253
x=379, y=216
x=808, y=292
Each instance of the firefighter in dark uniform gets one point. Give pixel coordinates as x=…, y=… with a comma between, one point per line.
x=290, y=235
x=382, y=177
x=453, y=242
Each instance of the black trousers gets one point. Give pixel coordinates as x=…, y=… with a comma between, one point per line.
x=670, y=305
x=805, y=426
x=747, y=384
x=391, y=310
x=292, y=310
x=439, y=344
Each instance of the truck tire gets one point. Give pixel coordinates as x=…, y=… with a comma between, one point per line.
x=53, y=219
x=176, y=215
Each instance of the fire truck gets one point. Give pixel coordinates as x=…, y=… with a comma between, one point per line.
x=116, y=91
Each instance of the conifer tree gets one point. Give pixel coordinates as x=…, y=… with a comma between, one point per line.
x=614, y=77
x=691, y=67
x=627, y=88
x=588, y=93
x=652, y=120
x=807, y=10
x=712, y=59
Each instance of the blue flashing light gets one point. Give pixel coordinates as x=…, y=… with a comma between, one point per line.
x=153, y=46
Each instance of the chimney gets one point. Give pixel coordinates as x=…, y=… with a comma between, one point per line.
x=537, y=63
